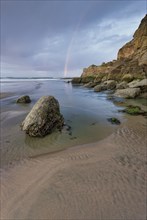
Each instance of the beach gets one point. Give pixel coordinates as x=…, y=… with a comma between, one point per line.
x=100, y=174
x=103, y=180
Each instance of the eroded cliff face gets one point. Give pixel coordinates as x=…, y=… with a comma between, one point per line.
x=131, y=60
x=136, y=49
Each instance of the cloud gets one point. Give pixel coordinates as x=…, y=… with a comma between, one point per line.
x=62, y=37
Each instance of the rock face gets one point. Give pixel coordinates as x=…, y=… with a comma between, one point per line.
x=131, y=60
x=137, y=48
x=24, y=99
x=43, y=118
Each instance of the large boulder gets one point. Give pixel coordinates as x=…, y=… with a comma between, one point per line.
x=24, y=99
x=128, y=93
x=43, y=118
x=111, y=84
x=133, y=83
x=122, y=85
x=90, y=85
x=141, y=84
x=100, y=88
x=127, y=78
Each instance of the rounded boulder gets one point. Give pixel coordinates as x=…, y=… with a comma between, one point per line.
x=44, y=117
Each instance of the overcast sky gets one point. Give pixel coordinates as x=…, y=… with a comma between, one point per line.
x=60, y=38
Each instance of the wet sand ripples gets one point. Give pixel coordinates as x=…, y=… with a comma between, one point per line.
x=105, y=180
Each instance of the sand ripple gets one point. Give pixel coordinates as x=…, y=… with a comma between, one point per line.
x=105, y=180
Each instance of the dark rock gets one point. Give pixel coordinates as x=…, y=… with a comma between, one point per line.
x=133, y=110
x=24, y=99
x=94, y=123
x=114, y=121
x=43, y=118
x=67, y=129
x=72, y=138
x=76, y=80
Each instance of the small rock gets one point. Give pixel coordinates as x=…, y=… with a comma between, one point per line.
x=72, y=138
x=114, y=121
x=24, y=99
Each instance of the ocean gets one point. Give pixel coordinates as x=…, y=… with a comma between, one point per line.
x=85, y=111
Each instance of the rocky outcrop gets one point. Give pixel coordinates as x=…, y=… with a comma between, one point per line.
x=43, y=118
x=131, y=60
x=24, y=99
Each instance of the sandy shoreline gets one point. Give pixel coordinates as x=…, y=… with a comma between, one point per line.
x=5, y=94
x=104, y=180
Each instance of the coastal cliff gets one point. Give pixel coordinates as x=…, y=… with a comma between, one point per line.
x=131, y=61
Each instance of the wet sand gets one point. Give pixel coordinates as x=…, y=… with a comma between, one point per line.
x=5, y=94
x=104, y=181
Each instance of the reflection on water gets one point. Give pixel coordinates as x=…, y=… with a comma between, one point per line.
x=84, y=111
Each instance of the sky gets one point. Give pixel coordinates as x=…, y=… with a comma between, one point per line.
x=49, y=38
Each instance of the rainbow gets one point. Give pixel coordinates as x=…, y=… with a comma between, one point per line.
x=71, y=43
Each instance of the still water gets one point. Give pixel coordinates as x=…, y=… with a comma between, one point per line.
x=85, y=111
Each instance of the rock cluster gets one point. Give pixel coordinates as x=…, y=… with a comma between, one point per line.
x=43, y=118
